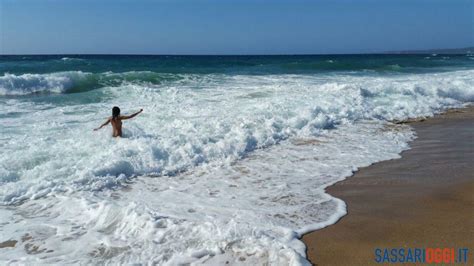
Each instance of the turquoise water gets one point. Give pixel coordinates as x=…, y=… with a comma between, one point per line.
x=229, y=159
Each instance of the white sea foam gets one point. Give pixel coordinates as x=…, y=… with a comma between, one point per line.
x=71, y=59
x=216, y=195
x=253, y=210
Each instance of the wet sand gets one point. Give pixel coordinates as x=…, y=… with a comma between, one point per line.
x=425, y=199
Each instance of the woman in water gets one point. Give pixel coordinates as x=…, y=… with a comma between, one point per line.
x=116, y=121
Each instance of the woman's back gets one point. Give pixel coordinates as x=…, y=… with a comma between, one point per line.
x=116, y=126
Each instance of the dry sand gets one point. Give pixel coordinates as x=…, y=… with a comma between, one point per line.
x=425, y=199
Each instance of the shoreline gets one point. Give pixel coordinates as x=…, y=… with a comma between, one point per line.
x=423, y=199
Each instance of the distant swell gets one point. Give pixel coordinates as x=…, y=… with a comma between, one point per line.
x=75, y=81
x=71, y=59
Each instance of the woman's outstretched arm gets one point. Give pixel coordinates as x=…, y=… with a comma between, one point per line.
x=104, y=124
x=124, y=117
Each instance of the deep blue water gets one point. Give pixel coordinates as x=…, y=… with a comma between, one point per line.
x=297, y=64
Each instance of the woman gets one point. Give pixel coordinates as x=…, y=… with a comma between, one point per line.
x=116, y=121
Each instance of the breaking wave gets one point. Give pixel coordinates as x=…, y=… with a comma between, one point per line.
x=76, y=81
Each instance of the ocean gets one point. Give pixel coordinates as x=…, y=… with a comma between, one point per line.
x=227, y=164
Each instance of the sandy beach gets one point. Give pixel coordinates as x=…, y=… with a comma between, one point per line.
x=425, y=199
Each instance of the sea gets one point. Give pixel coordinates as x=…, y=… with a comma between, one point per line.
x=227, y=164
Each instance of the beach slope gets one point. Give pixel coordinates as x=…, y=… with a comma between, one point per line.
x=425, y=199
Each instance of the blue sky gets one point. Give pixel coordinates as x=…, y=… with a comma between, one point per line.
x=232, y=27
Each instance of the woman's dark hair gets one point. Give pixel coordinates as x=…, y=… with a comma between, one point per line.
x=115, y=112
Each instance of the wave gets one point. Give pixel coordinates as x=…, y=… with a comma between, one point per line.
x=60, y=82
x=228, y=119
x=76, y=81
x=332, y=65
x=71, y=59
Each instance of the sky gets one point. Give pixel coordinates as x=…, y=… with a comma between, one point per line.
x=232, y=27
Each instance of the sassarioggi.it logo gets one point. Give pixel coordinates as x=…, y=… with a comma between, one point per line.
x=421, y=255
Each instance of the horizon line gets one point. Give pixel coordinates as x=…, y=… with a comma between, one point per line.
x=400, y=52
x=393, y=52
x=336, y=54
